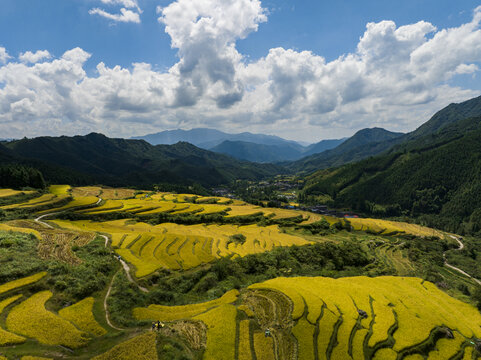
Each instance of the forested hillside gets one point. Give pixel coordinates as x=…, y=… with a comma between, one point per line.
x=364, y=143
x=435, y=178
x=97, y=159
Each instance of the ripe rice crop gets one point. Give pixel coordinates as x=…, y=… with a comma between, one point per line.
x=244, y=341
x=174, y=246
x=59, y=189
x=389, y=227
x=35, y=358
x=385, y=354
x=304, y=333
x=326, y=327
x=171, y=313
x=358, y=344
x=46, y=199
x=264, y=347
x=416, y=357
x=141, y=347
x=244, y=210
x=112, y=194
x=6, y=227
x=78, y=202
x=109, y=205
x=86, y=191
x=80, y=314
x=15, y=284
x=384, y=319
x=468, y=354
x=8, y=338
x=31, y=319
x=447, y=348
x=221, y=332
x=10, y=192
x=420, y=307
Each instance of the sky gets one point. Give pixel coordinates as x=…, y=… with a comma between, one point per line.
x=301, y=69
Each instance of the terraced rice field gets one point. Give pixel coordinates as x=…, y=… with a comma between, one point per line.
x=173, y=246
x=80, y=314
x=28, y=318
x=49, y=200
x=402, y=314
x=10, y=192
x=392, y=227
x=319, y=318
x=170, y=313
x=59, y=189
x=15, y=284
x=76, y=203
x=141, y=347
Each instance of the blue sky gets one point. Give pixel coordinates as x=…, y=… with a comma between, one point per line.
x=327, y=29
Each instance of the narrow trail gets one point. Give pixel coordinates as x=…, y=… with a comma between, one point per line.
x=461, y=247
x=126, y=268
x=107, y=315
x=39, y=219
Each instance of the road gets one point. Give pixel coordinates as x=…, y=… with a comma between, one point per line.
x=461, y=247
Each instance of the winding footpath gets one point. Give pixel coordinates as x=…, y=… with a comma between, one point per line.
x=125, y=266
x=107, y=315
x=461, y=247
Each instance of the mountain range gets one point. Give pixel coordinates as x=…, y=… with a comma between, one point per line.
x=244, y=146
x=95, y=158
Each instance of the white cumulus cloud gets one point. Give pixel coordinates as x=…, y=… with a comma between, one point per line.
x=34, y=57
x=397, y=77
x=3, y=55
x=126, y=14
x=129, y=4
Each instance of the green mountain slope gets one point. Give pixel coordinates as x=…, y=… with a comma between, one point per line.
x=119, y=162
x=258, y=152
x=437, y=176
x=364, y=143
x=450, y=114
x=372, y=142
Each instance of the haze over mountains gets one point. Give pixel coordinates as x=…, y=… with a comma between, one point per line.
x=243, y=146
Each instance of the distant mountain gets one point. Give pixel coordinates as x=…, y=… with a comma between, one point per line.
x=96, y=158
x=364, y=143
x=322, y=145
x=209, y=138
x=245, y=146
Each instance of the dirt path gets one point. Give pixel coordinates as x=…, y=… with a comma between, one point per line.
x=107, y=315
x=461, y=247
x=39, y=219
x=126, y=268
